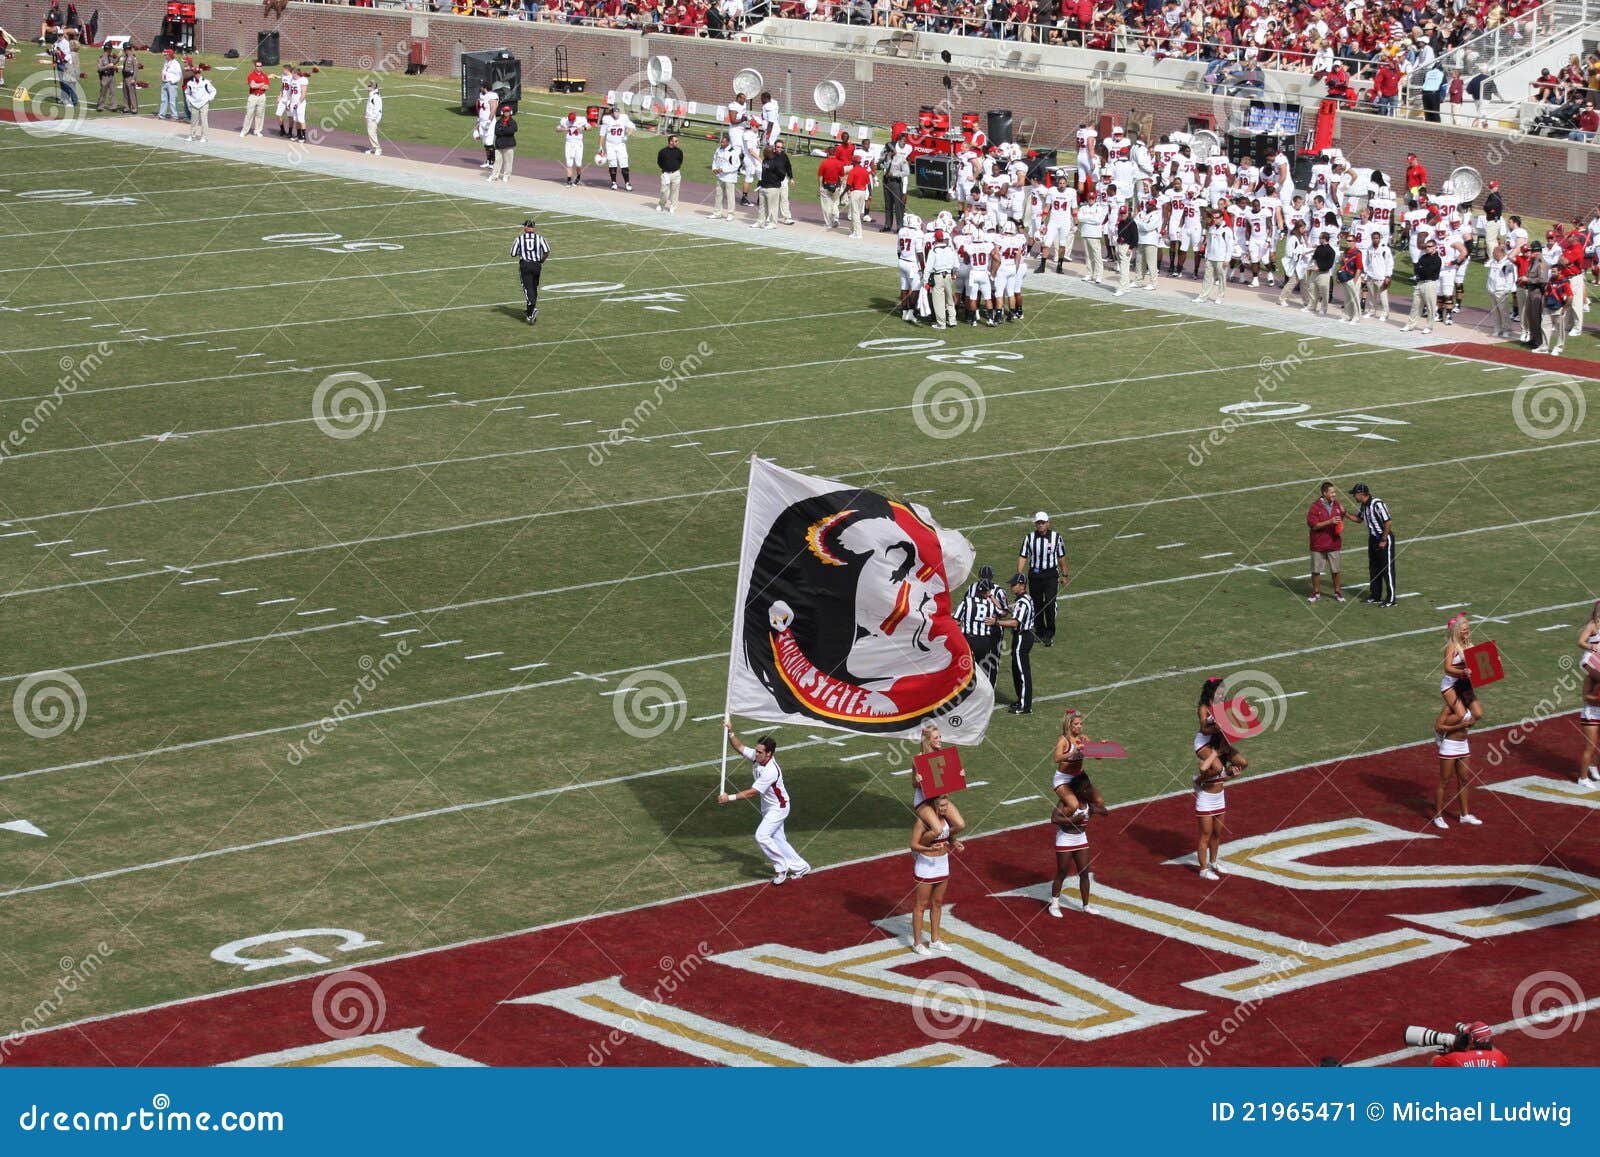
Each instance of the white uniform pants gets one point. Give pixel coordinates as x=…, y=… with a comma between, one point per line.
x=771, y=840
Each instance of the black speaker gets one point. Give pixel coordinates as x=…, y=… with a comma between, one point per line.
x=267, y=48
x=936, y=176
x=1040, y=163
x=999, y=130
x=500, y=69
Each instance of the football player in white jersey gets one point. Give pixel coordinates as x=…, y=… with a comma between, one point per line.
x=1011, y=260
x=302, y=89
x=1034, y=214
x=1258, y=252
x=1085, y=137
x=483, y=132
x=910, y=246
x=615, y=129
x=1184, y=235
x=1060, y=223
x=572, y=127
x=980, y=277
x=1377, y=260
x=769, y=118
x=285, y=99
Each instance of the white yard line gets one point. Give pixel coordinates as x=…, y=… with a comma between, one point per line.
x=1247, y=661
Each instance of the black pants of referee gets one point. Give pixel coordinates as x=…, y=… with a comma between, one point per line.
x=1380, y=571
x=1022, y=669
x=894, y=204
x=1042, y=586
x=986, y=654
x=529, y=271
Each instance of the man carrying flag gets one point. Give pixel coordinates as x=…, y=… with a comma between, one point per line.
x=787, y=863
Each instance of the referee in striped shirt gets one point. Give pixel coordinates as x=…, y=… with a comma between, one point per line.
x=979, y=615
x=530, y=249
x=1043, y=558
x=1380, y=545
x=1020, y=619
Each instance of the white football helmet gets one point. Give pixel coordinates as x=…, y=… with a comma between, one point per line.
x=944, y=220
x=913, y=221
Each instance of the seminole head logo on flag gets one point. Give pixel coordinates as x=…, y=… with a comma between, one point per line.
x=844, y=613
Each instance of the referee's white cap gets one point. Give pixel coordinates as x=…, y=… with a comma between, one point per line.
x=1041, y=516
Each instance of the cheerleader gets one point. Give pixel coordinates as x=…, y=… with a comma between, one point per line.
x=1070, y=784
x=931, y=845
x=1458, y=637
x=1451, y=728
x=931, y=741
x=1219, y=761
x=1589, y=717
x=1072, y=851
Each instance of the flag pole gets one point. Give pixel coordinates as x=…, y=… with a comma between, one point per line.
x=736, y=630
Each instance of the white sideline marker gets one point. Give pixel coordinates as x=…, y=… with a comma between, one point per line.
x=1451, y=606
x=578, y=422
x=275, y=602
x=442, y=643
x=1085, y=526
x=1285, y=695
x=1172, y=546
x=528, y=667
x=979, y=783
x=15, y=533
x=87, y=553
x=483, y=655
x=319, y=611
x=240, y=591
x=21, y=827
x=1019, y=799
x=198, y=582
x=125, y=562
x=1135, y=534
x=1554, y=627
x=56, y=542
x=1219, y=554
x=397, y=634
x=859, y=755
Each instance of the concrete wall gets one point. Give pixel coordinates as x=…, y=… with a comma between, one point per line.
x=1540, y=178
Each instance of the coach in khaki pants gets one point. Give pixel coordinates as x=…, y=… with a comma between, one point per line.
x=255, y=101
x=670, y=161
x=374, y=117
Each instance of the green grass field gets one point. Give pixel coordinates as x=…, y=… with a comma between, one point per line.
x=217, y=572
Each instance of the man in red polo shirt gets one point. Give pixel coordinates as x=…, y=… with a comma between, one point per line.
x=858, y=181
x=1416, y=178
x=830, y=184
x=255, y=101
x=1326, y=520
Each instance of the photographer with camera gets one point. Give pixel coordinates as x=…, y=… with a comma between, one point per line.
x=1470, y=1046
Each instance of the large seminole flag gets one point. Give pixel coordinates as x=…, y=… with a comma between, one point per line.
x=844, y=613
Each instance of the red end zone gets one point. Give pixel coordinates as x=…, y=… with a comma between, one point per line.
x=1343, y=918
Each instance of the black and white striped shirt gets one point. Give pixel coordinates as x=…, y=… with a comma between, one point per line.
x=1022, y=612
x=974, y=612
x=1043, y=551
x=530, y=246
x=1375, y=514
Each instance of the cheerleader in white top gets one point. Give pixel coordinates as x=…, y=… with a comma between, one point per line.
x=1458, y=637
x=1450, y=729
x=1072, y=854
x=1589, y=717
x=923, y=805
x=931, y=845
x=1219, y=761
x=1070, y=783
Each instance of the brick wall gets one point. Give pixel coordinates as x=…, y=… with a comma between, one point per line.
x=1541, y=177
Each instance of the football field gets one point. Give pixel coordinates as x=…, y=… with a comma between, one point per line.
x=337, y=597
